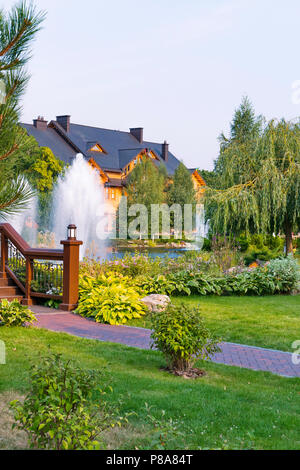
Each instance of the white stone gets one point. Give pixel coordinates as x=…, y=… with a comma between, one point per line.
x=156, y=302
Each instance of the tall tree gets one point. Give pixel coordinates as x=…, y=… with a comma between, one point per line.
x=181, y=190
x=41, y=169
x=17, y=31
x=245, y=130
x=146, y=186
x=259, y=183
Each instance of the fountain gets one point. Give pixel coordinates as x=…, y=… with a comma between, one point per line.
x=79, y=199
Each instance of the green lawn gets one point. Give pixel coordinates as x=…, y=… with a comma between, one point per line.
x=228, y=408
x=270, y=322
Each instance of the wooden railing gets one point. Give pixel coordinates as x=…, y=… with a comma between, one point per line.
x=41, y=273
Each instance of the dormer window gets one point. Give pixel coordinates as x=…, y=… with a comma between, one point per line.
x=97, y=148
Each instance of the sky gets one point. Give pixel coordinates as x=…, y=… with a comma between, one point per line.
x=177, y=68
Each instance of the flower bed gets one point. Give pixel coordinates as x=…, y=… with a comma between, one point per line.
x=111, y=292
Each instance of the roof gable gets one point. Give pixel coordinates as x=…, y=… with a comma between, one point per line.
x=110, y=149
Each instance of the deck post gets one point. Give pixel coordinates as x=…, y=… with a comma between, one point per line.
x=29, y=272
x=71, y=270
x=4, y=256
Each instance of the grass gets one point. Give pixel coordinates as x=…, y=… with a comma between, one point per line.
x=229, y=408
x=268, y=322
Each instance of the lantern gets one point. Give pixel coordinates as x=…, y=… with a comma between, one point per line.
x=72, y=232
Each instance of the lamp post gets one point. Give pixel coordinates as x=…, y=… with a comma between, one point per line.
x=71, y=269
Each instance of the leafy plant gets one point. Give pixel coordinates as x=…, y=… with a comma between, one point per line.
x=57, y=411
x=53, y=303
x=159, y=284
x=15, y=314
x=180, y=334
x=113, y=301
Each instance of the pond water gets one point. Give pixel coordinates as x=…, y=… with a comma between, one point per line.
x=113, y=253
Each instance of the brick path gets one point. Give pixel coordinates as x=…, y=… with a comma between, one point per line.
x=249, y=357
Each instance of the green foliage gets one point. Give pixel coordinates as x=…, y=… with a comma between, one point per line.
x=57, y=413
x=216, y=273
x=109, y=300
x=129, y=265
x=53, y=304
x=159, y=284
x=14, y=314
x=258, y=179
x=41, y=169
x=278, y=277
x=286, y=272
x=180, y=334
x=181, y=190
x=17, y=31
x=260, y=247
x=146, y=185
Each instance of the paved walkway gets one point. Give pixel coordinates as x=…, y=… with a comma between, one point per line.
x=250, y=357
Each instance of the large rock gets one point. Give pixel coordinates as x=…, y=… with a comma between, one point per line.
x=156, y=302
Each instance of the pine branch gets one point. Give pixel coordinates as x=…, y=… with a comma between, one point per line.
x=9, y=152
x=26, y=24
x=14, y=196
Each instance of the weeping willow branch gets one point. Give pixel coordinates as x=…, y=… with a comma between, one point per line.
x=262, y=194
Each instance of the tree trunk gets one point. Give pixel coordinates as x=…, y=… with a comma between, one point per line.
x=288, y=238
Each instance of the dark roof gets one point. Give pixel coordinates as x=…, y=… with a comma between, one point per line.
x=50, y=138
x=120, y=147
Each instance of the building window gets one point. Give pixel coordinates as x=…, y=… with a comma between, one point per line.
x=97, y=148
x=106, y=193
x=113, y=194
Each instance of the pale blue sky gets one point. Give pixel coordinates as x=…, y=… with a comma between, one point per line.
x=178, y=68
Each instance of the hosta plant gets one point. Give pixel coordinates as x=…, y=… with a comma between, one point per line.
x=114, y=304
x=15, y=314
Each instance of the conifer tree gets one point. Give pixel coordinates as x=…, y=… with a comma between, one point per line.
x=17, y=31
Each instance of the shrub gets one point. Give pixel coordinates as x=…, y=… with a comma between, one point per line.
x=15, y=314
x=285, y=272
x=112, y=302
x=56, y=413
x=130, y=265
x=180, y=334
x=156, y=285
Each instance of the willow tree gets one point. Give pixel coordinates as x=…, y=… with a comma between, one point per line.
x=258, y=185
x=17, y=31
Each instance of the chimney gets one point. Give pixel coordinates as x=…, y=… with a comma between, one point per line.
x=138, y=133
x=64, y=122
x=40, y=123
x=165, y=151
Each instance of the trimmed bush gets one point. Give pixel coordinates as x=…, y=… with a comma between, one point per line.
x=180, y=334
